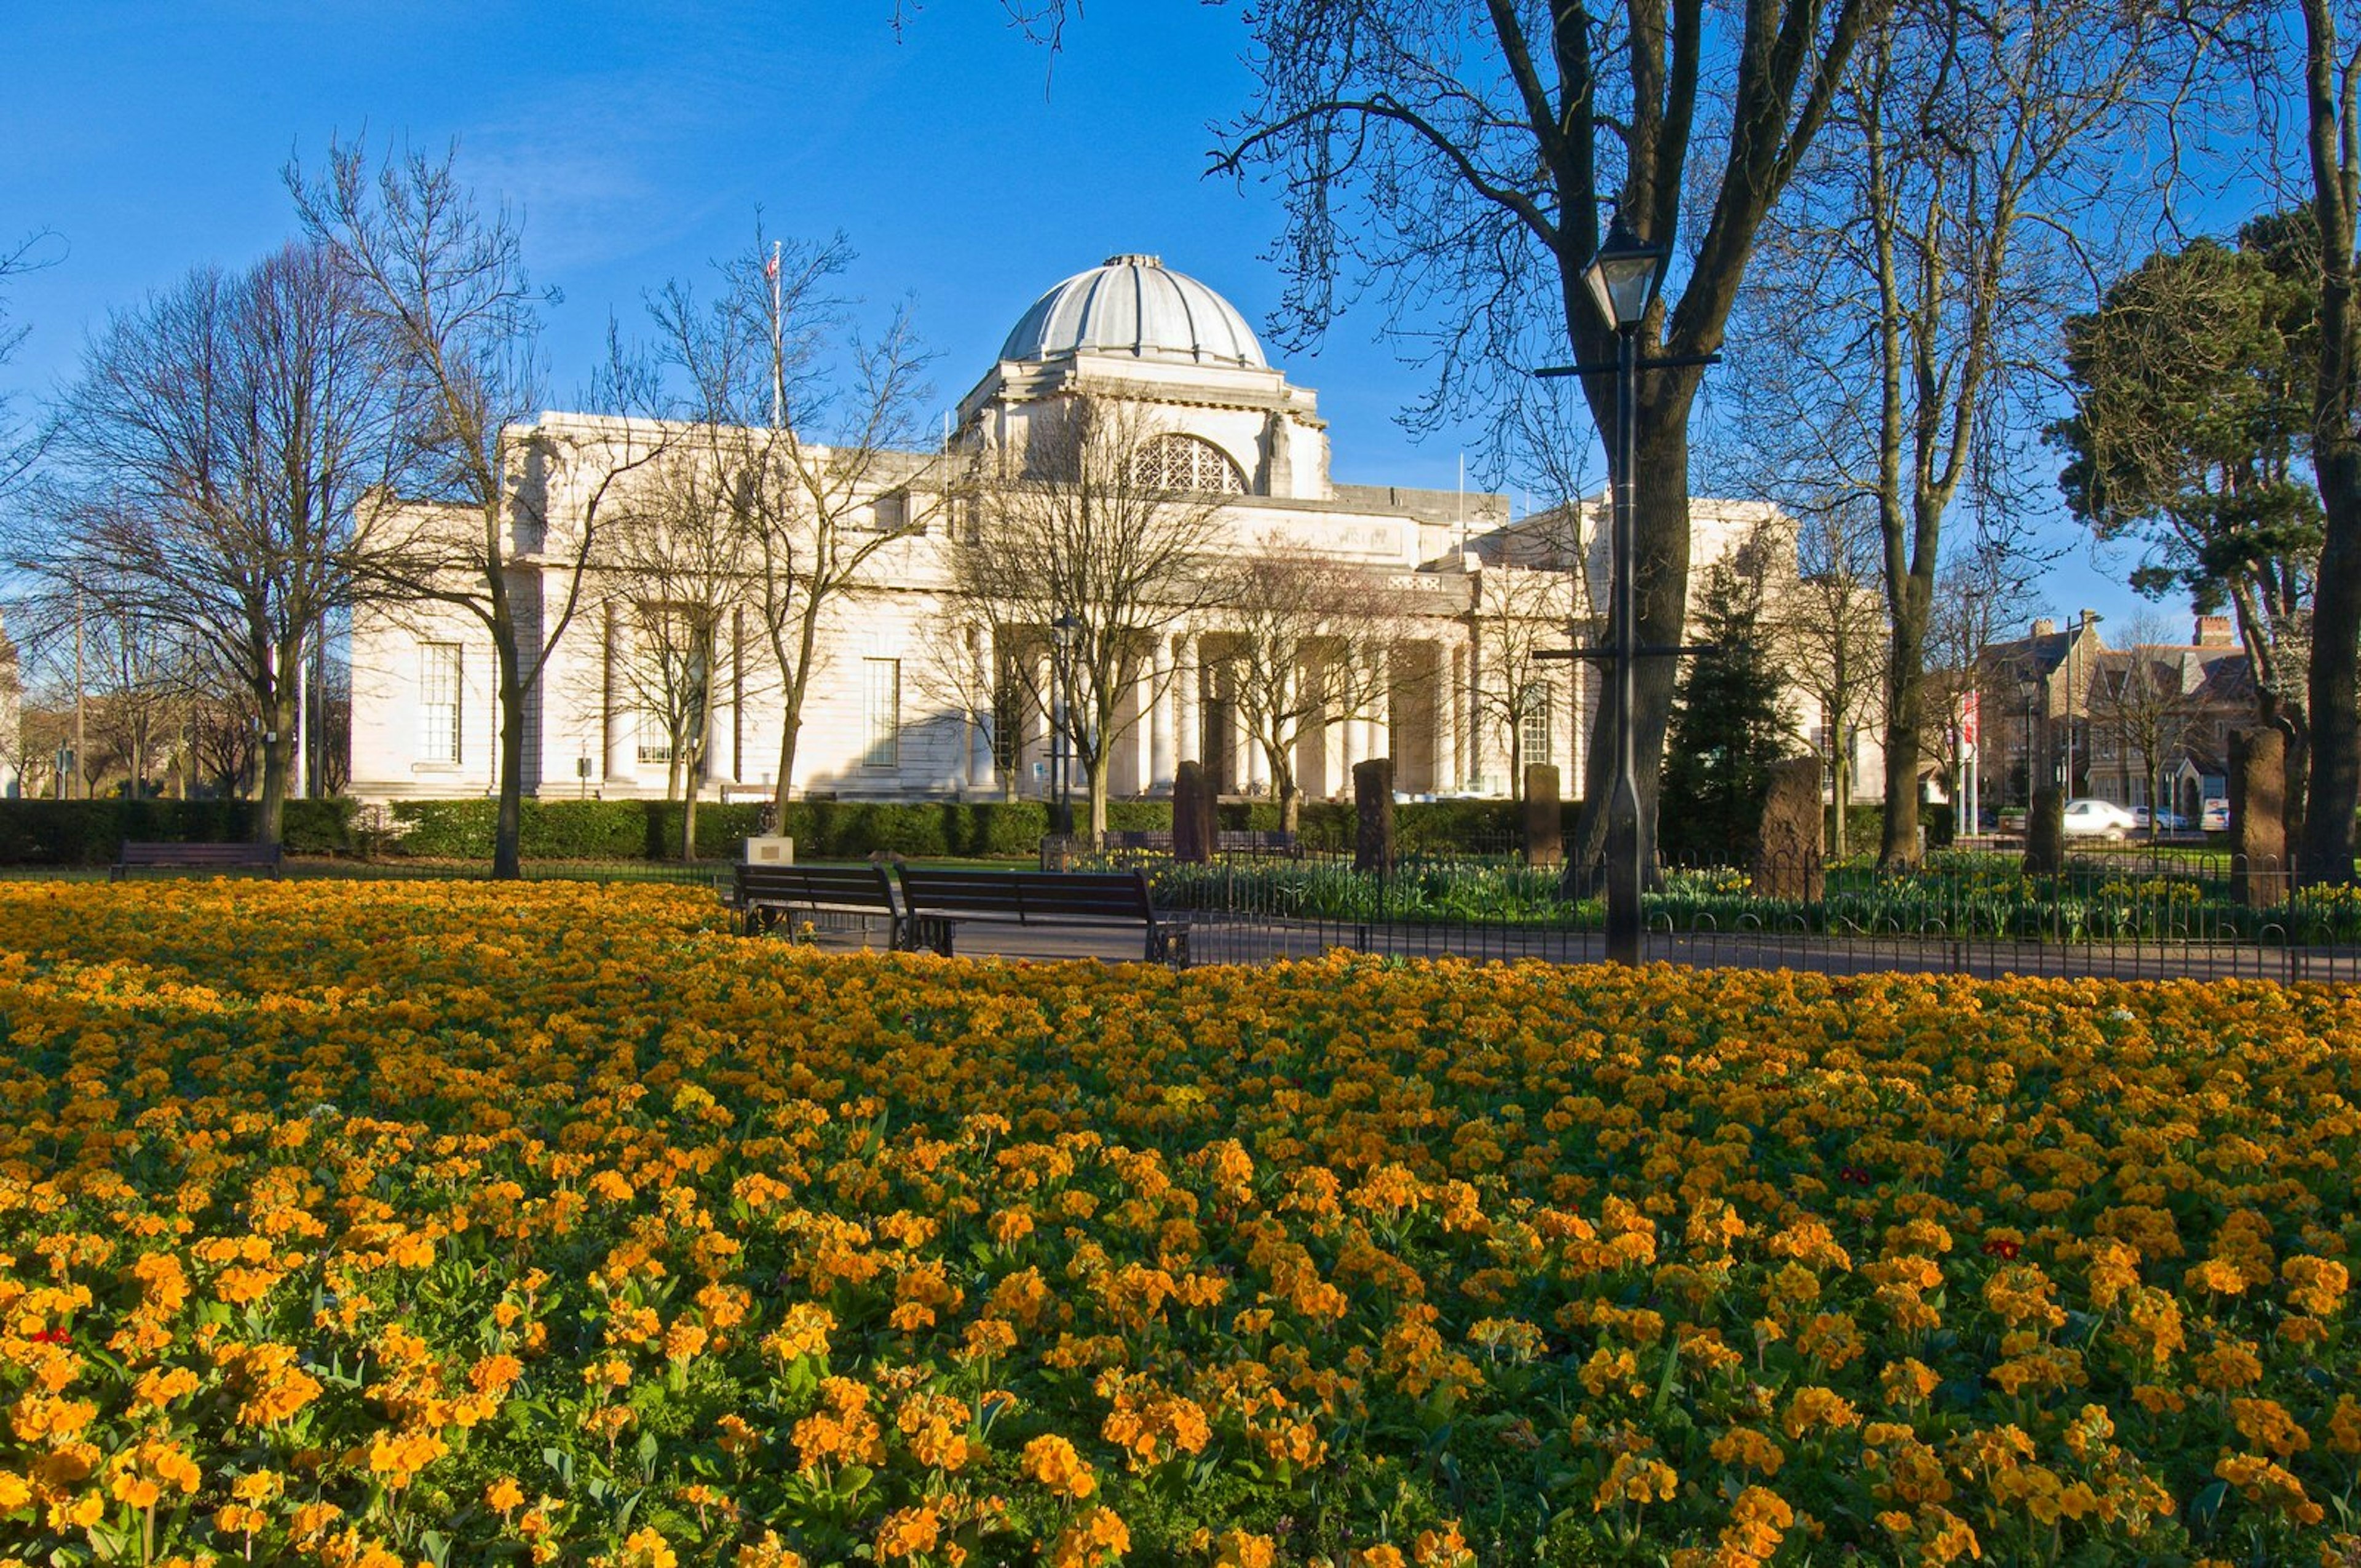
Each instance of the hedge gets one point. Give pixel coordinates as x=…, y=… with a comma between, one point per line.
x=91, y=832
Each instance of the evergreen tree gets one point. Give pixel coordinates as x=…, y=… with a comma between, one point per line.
x=1727, y=730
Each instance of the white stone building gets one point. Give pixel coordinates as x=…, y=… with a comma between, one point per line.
x=884, y=720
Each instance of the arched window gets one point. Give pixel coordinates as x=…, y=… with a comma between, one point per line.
x=1187, y=462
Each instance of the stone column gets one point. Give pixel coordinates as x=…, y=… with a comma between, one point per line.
x=979, y=780
x=1254, y=768
x=720, y=723
x=622, y=765
x=1187, y=711
x=1045, y=744
x=1471, y=717
x=1447, y=773
x=1357, y=742
x=1381, y=709
x=1162, y=694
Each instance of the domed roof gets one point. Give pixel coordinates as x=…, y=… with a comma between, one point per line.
x=1131, y=304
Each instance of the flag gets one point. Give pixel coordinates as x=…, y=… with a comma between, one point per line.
x=770, y=267
x=1970, y=727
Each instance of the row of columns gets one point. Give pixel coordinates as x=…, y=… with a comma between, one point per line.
x=1175, y=692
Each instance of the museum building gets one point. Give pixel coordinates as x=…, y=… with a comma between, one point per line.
x=885, y=716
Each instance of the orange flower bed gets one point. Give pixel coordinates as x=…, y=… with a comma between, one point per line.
x=361, y=1223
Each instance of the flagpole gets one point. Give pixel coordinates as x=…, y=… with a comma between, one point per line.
x=778, y=349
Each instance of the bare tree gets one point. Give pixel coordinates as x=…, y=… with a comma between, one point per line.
x=445, y=283
x=1912, y=299
x=20, y=443
x=1983, y=592
x=804, y=430
x=1522, y=613
x=2144, y=701
x=1828, y=631
x=140, y=673
x=672, y=569
x=1076, y=557
x=1461, y=155
x=1304, y=639
x=214, y=456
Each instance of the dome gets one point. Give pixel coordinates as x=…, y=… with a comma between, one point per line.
x=1131, y=304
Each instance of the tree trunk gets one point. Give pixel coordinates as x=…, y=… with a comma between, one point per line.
x=791, y=725
x=270, y=805
x=1290, y=800
x=1905, y=713
x=1097, y=769
x=2333, y=704
x=507, y=824
x=1841, y=793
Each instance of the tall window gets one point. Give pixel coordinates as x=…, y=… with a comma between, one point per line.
x=655, y=737
x=1007, y=722
x=1187, y=462
x=881, y=713
x=1534, y=724
x=438, y=702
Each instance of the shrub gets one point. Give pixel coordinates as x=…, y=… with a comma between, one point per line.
x=91, y=832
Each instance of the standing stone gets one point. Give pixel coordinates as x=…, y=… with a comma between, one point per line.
x=1788, y=860
x=1193, y=815
x=1373, y=803
x=2045, y=833
x=2259, y=873
x=1545, y=823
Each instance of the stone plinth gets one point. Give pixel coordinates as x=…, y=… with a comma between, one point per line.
x=2259, y=871
x=1545, y=823
x=1789, y=862
x=1373, y=803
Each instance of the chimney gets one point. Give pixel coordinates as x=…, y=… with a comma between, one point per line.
x=2215, y=632
x=2045, y=627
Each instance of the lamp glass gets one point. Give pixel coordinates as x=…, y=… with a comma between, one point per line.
x=1622, y=275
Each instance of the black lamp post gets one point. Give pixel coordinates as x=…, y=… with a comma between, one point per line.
x=1622, y=281
x=1061, y=809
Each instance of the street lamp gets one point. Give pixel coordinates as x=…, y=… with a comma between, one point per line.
x=1622, y=281
x=1061, y=810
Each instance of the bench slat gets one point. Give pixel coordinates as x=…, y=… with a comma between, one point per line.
x=838, y=890
x=139, y=856
x=937, y=900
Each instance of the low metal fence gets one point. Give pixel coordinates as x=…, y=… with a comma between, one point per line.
x=2133, y=912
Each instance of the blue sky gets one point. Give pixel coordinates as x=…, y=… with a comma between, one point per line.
x=968, y=169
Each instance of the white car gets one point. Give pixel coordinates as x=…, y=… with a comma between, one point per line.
x=2090, y=819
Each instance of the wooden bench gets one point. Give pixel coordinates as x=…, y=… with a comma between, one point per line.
x=764, y=893
x=936, y=902
x=136, y=857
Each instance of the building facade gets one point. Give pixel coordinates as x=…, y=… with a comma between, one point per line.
x=892, y=710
